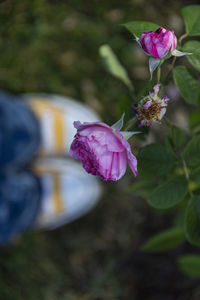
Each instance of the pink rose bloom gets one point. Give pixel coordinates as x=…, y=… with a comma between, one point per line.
x=158, y=43
x=101, y=151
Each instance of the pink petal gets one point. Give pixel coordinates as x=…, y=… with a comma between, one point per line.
x=132, y=161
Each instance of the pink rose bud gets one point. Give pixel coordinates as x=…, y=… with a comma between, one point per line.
x=102, y=152
x=151, y=108
x=158, y=43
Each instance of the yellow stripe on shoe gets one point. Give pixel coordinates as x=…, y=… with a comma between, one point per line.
x=57, y=194
x=52, y=123
x=51, y=180
x=68, y=192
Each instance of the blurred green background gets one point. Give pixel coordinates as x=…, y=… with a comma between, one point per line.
x=53, y=47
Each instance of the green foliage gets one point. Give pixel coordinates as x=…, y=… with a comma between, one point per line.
x=195, y=182
x=191, y=15
x=178, y=137
x=123, y=104
x=155, y=160
x=169, y=194
x=191, y=152
x=49, y=38
x=194, y=48
x=142, y=187
x=165, y=240
x=195, y=175
x=194, y=121
x=190, y=264
x=192, y=221
x=138, y=27
x=113, y=65
x=187, y=84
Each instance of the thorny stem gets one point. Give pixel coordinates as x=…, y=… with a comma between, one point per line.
x=130, y=123
x=158, y=74
x=181, y=38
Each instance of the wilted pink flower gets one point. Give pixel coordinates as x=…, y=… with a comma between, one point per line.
x=151, y=108
x=102, y=151
x=158, y=43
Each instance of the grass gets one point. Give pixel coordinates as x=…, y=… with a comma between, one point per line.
x=52, y=46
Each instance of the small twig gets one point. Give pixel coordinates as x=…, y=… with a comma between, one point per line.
x=170, y=69
x=187, y=176
x=182, y=37
x=185, y=169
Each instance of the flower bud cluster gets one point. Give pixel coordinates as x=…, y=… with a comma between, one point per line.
x=104, y=150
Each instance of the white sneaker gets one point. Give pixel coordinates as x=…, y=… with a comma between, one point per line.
x=56, y=115
x=68, y=192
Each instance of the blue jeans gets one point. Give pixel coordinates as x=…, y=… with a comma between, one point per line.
x=19, y=189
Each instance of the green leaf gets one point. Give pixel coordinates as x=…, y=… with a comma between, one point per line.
x=194, y=184
x=191, y=152
x=178, y=137
x=192, y=221
x=190, y=264
x=123, y=103
x=195, y=175
x=113, y=65
x=191, y=15
x=187, y=84
x=194, y=59
x=169, y=143
x=165, y=240
x=194, y=121
x=141, y=187
x=169, y=193
x=155, y=160
x=138, y=27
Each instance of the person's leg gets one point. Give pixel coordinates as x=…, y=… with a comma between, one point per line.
x=19, y=132
x=63, y=191
x=55, y=193
x=20, y=201
x=32, y=122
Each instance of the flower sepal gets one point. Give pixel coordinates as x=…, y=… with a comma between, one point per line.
x=153, y=65
x=119, y=124
x=180, y=53
x=128, y=134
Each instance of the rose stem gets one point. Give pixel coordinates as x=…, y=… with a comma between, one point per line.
x=158, y=74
